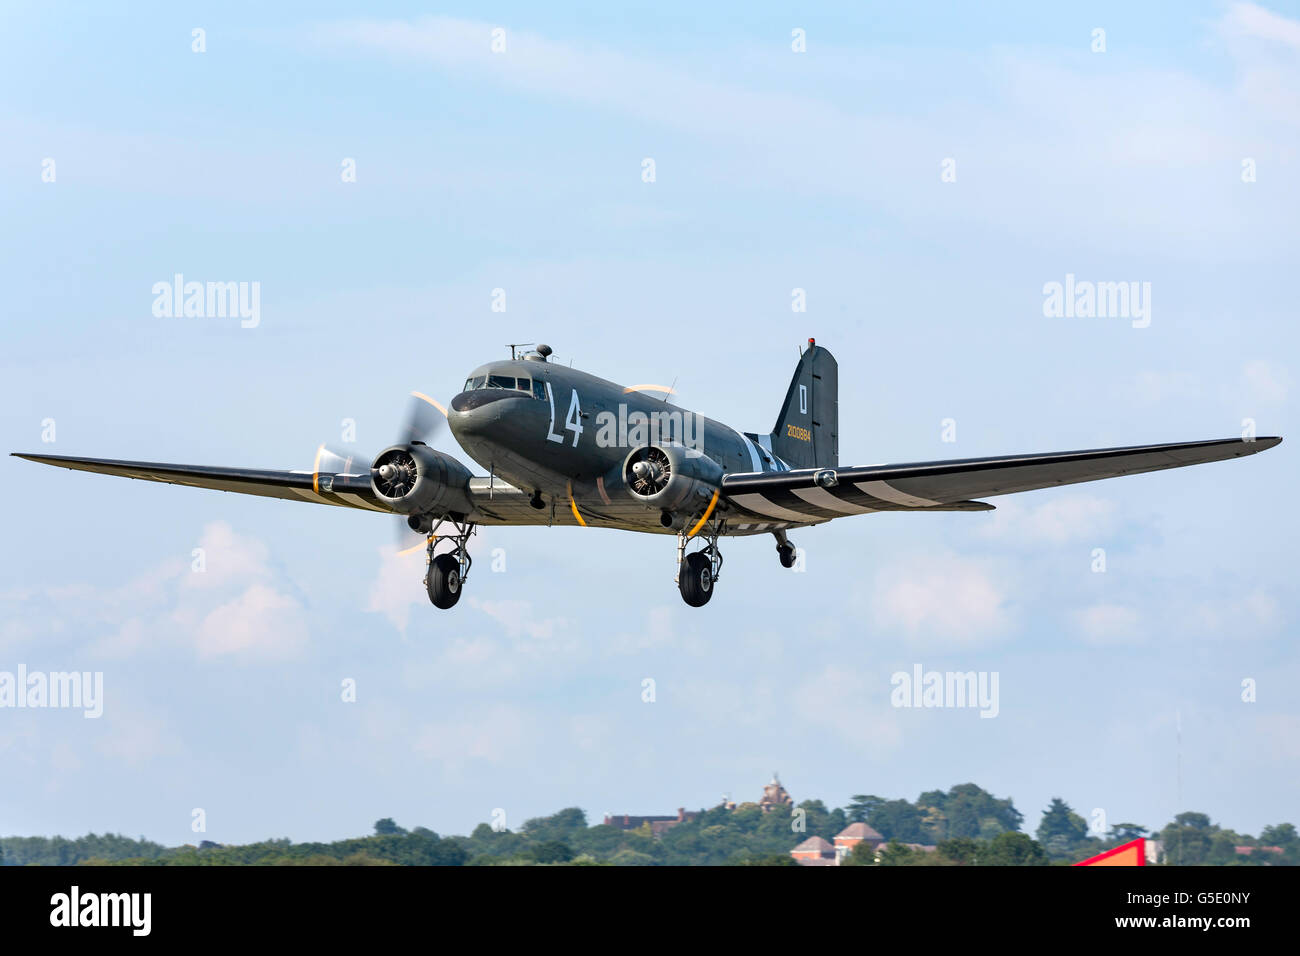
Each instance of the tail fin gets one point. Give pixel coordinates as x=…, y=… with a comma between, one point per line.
x=807, y=432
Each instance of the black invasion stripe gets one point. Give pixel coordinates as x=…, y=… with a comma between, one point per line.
x=811, y=513
x=784, y=498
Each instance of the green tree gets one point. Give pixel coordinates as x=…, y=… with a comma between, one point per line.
x=897, y=820
x=961, y=850
x=1012, y=849
x=1283, y=835
x=552, y=851
x=966, y=810
x=1061, y=830
x=861, y=855
x=386, y=827
x=861, y=806
x=1125, y=833
x=558, y=826
x=1187, y=839
x=896, y=854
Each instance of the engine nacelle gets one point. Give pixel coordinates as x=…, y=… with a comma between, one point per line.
x=415, y=479
x=671, y=477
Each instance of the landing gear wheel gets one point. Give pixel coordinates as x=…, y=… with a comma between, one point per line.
x=696, y=579
x=444, y=581
x=786, y=553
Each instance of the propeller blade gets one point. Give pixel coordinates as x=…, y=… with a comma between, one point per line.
x=331, y=462
x=425, y=420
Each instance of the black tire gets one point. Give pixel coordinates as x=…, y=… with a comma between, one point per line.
x=444, y=581
x=696, y=579
x=786, y=554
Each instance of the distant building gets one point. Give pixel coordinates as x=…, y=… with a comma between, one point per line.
x=815, y=851
x=774, y=795
x=1248, y=850
x=657, y=824
x=854, y=834
x=1155, y=850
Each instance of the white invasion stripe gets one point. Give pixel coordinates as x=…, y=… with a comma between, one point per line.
x=361, y=502
x=760, y=505
x=824, y=499
x=312, y=496
x=885, y=492
x=749, y=447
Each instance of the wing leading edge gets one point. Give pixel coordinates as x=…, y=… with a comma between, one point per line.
x=951, y=485
x=494, y=502
x=347, y=491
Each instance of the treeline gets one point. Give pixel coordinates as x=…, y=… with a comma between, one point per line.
x=966, y=825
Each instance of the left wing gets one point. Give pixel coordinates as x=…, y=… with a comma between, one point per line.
x=493, y=502
x=811, y=495
x=347, y=491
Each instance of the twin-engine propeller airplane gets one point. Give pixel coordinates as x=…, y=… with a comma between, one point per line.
x=565, y=447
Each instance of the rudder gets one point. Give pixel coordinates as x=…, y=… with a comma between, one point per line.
x=807, y=431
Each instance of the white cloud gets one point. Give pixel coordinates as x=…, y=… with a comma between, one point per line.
x=397, y=588
x=1108, y=624
x=496, y=735
x=1151, y=387
x=1250, y=615
x=519, y=618
x=940, y=600
x=259, y=623
x=852, y=704
x=227, y=557
x=1265, y=382
x=236, y=606
x=1156, y=134
x=1056, y=521
x=1249, y=19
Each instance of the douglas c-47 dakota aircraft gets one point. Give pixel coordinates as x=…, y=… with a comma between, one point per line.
x=565, y=447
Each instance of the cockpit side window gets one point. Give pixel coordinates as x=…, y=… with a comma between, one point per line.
x=501, y=381
x=539, y=389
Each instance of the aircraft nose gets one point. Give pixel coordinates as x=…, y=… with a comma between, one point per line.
x=475, y=411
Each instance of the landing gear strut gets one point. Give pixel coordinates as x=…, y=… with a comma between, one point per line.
x=698, y=571
x=446, y=574
x=784, y=549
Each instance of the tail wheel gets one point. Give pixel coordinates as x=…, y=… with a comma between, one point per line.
x=696, y=579
x=443, y=581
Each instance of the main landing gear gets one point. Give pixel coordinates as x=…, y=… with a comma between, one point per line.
x=697, y=572
x=447, y=572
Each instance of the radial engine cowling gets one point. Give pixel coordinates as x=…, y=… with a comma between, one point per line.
x=671, y=477
x=416, y=479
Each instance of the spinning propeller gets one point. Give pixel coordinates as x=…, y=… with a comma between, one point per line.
x=395, y=475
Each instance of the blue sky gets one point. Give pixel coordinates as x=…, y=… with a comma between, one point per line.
x=521, y=170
